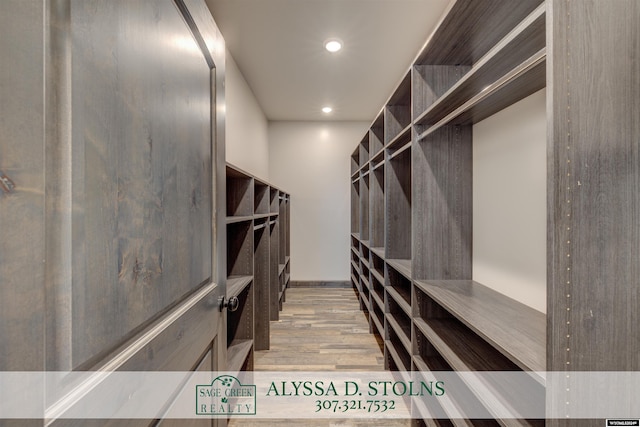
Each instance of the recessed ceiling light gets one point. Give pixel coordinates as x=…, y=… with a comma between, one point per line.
x=327, y=110
x=333, y=45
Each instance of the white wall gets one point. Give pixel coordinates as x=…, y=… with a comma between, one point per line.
x=311, y=161
x=509, y=201
x=247, y=144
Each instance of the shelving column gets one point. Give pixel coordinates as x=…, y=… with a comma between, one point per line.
x=274, y=254
x=261, y=277
x=398, y=251
x=240, y=255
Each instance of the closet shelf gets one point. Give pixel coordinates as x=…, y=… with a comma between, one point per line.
x=365, y=282
x=379, y=326
x=406, y=307
x=378, y=300
x=237, y=284
x=237, y=354
x=353, y=264
x=377, y=158
x=468, y=353
x=365, y=302
x=402, y=266
x=514, y=49
x=400, y=149
x=454, y=410
x=400, y=139
x=354, y=279
x=379, y=251
x=522, y=81
x=239, y=218
x=469, y=29
x=514, y=329
x=395, y=356
x=400, y=332
x=364, y=260
x=377, y=276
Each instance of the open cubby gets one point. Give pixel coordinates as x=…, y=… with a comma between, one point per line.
x=396, y=348
x=364, y=273
x=355, y=277
x=365, y=298
x=364, y=207
x=364, y=151
x=398, y=206
x=399, y=286
x=355, y=161
x=397, y=112
x=239, y=193
x=376, y=207
x=377, y=267
x=240, y=249
x=442, y=165
x=376, y=136
x=355, y=206
x=273, y=200
x=430, y=82
x=364, y=254
x=261, y=198
x=400, y=321
x=377, y=289
x=377, y=315
x=355, y=255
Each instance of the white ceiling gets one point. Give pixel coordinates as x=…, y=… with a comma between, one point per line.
x=278, y=46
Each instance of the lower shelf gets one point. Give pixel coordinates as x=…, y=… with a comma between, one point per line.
x=237, y=354
x=465, y=352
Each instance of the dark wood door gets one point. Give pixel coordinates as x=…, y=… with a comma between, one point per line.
x=108, y=246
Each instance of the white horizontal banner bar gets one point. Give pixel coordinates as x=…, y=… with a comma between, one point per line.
x=454, y=395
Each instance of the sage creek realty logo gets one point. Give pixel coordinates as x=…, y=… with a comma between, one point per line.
x=226, y=396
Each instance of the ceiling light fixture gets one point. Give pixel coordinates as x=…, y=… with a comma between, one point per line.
x=333, y=45
x=327, y=110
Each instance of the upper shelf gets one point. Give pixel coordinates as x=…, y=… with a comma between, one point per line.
x=470, y=28
x=402, y=266
x=516, y=330
x=505, y=59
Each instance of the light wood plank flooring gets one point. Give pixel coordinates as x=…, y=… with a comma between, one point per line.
x=321, y=329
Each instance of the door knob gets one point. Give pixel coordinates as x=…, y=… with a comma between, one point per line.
x=230, y=304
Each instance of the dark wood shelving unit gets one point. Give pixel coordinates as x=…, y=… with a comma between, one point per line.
x=413, y=173
x=256, y=239
x=411, y=196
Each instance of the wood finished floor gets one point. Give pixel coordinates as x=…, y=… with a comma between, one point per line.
x=321, y=329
